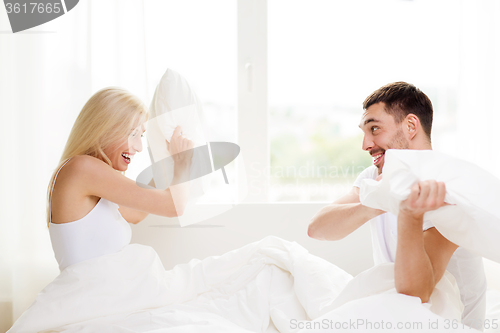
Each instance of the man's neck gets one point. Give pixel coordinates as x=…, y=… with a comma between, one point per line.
x=421, y=145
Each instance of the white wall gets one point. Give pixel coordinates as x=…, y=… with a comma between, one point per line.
x=46, y=78
x=247, y=223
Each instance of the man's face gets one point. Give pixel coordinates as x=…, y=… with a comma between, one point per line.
x=381, y=133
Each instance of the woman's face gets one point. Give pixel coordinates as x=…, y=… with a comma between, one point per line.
x=122, y=153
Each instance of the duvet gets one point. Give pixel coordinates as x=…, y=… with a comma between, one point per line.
x=271, y=285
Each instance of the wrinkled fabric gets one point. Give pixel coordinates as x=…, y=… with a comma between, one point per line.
x=264, y=286
x=472, y=220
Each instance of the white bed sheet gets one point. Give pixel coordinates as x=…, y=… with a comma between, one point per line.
x=493, y=311
x=266, y=286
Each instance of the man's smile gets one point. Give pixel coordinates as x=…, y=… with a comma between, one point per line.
x=377, y=157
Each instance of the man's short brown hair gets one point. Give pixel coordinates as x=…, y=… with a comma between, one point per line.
x=401, y=99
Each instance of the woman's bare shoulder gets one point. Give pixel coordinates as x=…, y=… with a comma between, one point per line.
x=80, y=165
x=90, y=177
x=86, y=161
x=69, y=198
x=79, y=169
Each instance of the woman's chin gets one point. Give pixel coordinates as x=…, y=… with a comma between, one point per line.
x=120, y=167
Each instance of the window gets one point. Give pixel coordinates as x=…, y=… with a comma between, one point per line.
x=285, y=79
x=325, y=58
x=197, y=39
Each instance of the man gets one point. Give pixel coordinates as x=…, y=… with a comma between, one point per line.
x=399, y=116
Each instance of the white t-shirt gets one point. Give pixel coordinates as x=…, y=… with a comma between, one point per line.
x=466, y=267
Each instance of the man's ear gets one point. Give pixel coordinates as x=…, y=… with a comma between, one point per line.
x=412, y=124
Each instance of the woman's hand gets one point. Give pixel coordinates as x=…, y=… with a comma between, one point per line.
x=181, y=150
x=425, y=196
x=180, y=147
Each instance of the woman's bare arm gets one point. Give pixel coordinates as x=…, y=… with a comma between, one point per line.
x=97, y=178
x=132, y=215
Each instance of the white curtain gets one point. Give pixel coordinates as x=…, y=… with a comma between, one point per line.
x=46, y=76
x=50, y=71
x=479, y=85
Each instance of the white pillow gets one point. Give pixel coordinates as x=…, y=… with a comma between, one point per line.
x=473, y=219
x=492, y=272
x=176, y=104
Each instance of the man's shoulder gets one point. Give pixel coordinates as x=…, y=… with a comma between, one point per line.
x=369, y=173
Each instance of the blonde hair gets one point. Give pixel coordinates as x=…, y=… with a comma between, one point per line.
x=107, y=117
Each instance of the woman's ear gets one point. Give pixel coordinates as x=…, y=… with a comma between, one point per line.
x=412, y=124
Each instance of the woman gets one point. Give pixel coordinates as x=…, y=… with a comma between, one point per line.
x=89, y=203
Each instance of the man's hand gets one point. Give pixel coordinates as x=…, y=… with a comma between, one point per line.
x=425, y=196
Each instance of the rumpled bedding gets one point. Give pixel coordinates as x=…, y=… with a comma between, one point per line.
x=272, y=285
x=472, y=221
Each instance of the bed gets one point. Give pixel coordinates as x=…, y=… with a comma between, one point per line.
x=242, y=280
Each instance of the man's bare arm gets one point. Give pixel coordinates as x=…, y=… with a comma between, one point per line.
x=421, y=257
x=341, y=217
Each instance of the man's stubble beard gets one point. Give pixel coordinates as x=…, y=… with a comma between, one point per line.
x=398, y=141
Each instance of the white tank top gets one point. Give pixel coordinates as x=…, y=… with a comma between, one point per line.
x=102, y=231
